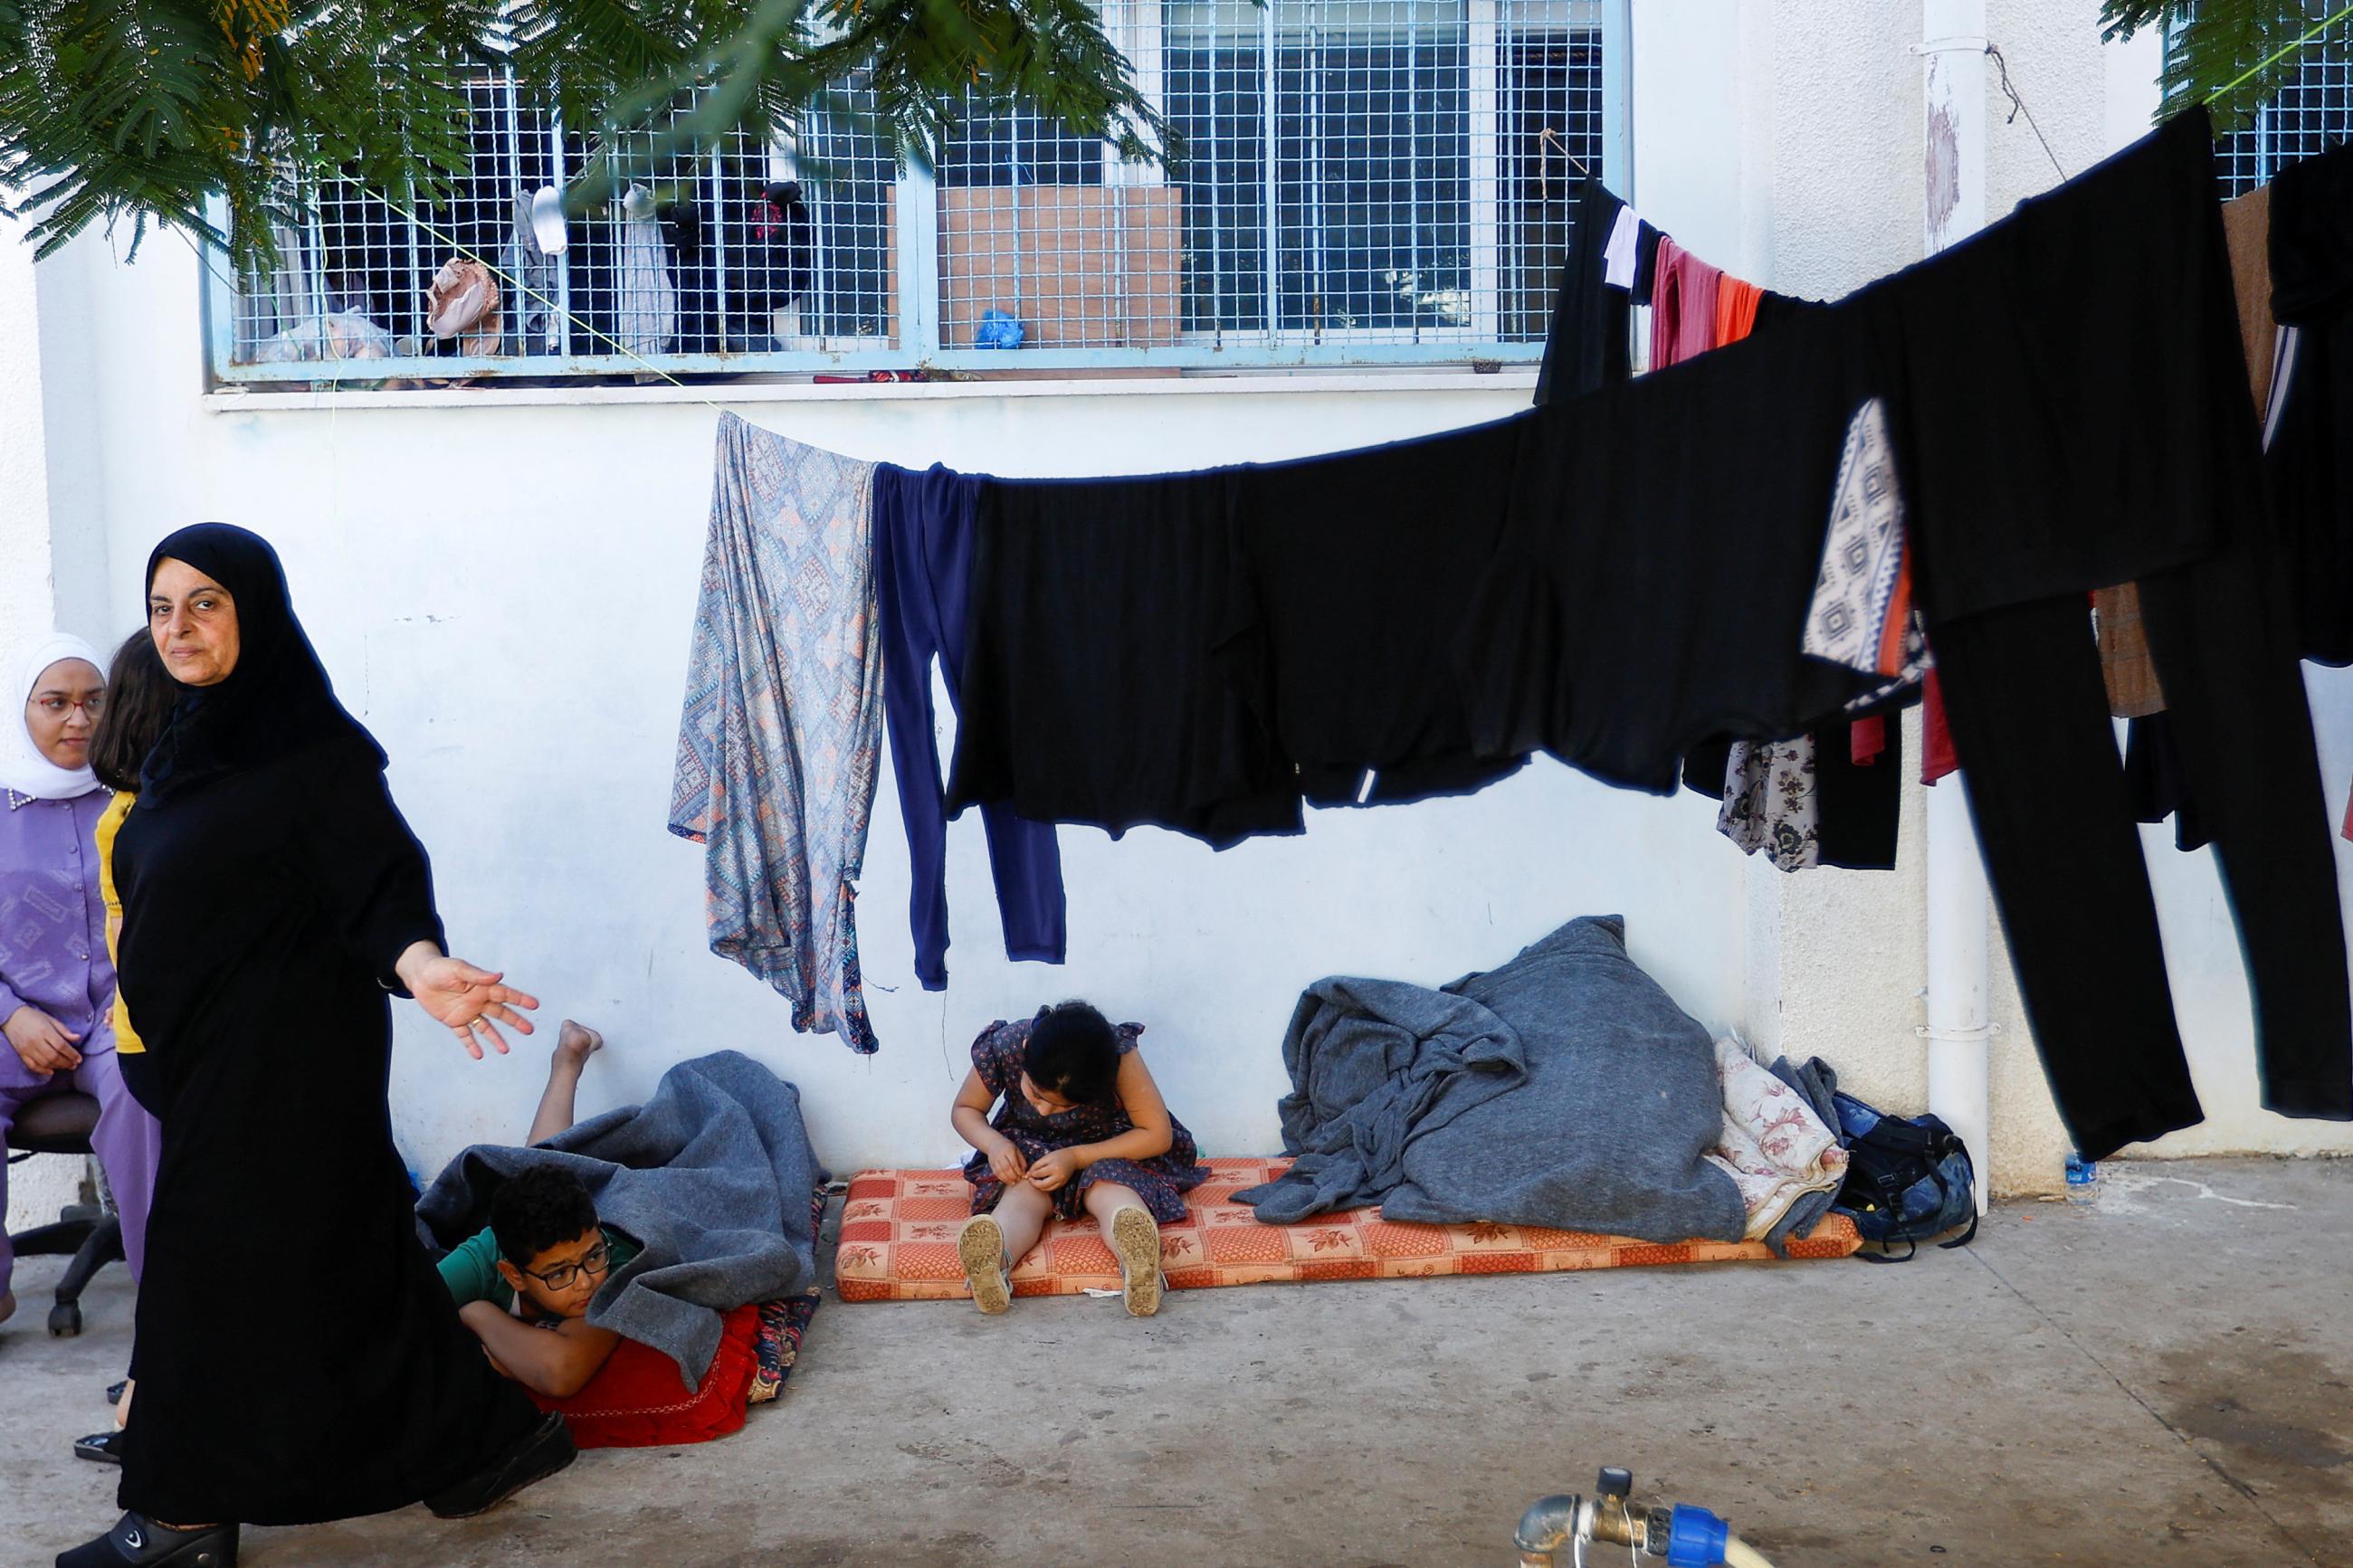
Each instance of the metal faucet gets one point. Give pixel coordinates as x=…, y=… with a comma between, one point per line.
x=1687, y=1537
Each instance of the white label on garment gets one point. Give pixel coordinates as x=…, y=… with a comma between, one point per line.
x=1618, y=256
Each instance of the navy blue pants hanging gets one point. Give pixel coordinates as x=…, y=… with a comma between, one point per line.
x=923, y=568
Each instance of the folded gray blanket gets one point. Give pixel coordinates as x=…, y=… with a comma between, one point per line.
x=1565, y=1090
x=712, y=1177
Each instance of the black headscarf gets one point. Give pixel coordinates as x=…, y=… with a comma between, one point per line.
x=276, y=701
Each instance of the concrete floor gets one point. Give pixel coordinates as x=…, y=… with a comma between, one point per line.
x=2165, y=1378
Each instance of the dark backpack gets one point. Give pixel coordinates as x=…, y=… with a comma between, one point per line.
x=1908, y=1179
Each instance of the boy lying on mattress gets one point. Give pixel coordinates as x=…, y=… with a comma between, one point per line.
x=524, y=1281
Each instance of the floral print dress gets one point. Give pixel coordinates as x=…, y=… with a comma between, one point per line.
x=1161, y=1182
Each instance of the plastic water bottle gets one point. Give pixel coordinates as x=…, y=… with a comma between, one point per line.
x=2083, y=1181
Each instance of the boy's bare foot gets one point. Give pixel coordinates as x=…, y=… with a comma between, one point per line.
x=7, y=1305
x=574, y=1044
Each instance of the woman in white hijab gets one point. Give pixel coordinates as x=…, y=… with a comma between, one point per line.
x=57, y=983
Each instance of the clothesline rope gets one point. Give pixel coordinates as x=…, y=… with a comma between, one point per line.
x=2018, y=107
x=203, y=260
x=467, y=254
x=464, y=253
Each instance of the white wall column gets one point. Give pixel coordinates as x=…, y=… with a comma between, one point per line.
x=27, y=587
x=1953, y=58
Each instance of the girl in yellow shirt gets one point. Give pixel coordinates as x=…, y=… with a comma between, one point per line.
x=139, y=698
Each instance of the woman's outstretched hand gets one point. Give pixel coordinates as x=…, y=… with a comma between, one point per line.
x=469, y=1002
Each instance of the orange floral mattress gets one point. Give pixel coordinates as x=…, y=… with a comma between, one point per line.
x=898, y=1229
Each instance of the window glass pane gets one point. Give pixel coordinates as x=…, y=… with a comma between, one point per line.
x=849, y=187
x=1004, y=146
x=1216, y=102
x=1401, y=139
x=1372, y=181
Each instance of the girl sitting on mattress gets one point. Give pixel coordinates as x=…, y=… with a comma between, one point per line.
x=1081, y=1127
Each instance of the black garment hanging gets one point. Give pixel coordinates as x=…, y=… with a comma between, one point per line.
x=1860, y=802
x=1646, y=262
x=2157, y=780
x=2054, y=817
x=1201, y=651
x=1353, y=573
x=1774, y=311
x=1093, y=694
x=1652, y=585
x=1705, y=766
x=694, y=276
x=1589, y=345
x=2310, y=457
x=780, y=246
x=2074, y=410
x=2075, y=414
x=735, y=263
x=2027, y=712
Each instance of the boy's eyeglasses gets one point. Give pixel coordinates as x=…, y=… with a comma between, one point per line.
x=560, y=1276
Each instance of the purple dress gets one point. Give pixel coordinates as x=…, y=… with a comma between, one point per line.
x=53, y=957
x=1161, y=1182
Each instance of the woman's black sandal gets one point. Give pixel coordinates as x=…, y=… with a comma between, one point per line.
x=137, y=1541
x=102, y=1447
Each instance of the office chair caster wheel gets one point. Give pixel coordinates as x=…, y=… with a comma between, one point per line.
x=65, y=1321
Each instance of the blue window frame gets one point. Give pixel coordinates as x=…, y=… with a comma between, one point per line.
x=1373, y=183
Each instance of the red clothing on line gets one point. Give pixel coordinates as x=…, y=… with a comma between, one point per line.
x=1937, y=755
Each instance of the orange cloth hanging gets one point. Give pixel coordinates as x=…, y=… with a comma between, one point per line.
x=1735, y=309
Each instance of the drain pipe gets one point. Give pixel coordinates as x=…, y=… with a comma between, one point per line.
x=1952, y=51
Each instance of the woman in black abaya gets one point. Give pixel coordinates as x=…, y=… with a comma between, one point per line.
x=298, y=1357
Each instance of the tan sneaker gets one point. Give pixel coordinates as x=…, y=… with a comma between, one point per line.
x=980, y=1247
x=1136, y=1239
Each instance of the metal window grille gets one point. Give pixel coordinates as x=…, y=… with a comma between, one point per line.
x=2312, y=112
x=1358, y=182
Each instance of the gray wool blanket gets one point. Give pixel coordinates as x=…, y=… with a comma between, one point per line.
x=1564, y=1089
x=712, y=1177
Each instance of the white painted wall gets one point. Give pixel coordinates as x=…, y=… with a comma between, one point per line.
x=49, y=575
x=504, y=593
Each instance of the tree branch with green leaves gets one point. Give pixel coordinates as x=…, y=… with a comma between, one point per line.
x=2232, y=55
x=143, y=110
